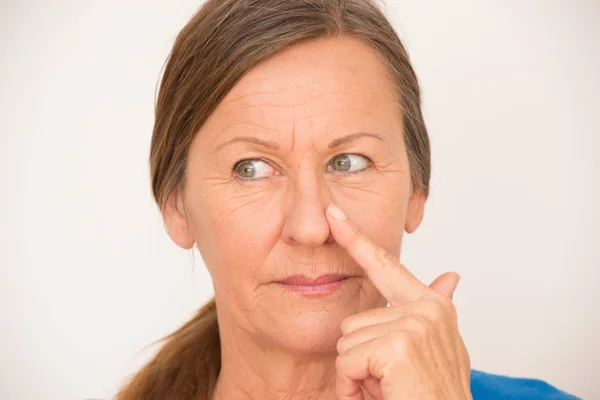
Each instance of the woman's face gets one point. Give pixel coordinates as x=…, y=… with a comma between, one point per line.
x=317, y=123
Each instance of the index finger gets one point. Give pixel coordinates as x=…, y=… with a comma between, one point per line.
x=396, y=283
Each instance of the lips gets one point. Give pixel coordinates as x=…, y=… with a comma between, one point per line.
x=318, y=286
x=302, y=280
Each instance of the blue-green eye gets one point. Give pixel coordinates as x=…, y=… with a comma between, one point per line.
x=253, y=169
x=349, y=163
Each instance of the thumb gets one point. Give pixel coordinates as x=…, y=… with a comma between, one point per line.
x=446, y=283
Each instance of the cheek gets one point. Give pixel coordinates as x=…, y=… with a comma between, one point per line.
x=240, y=227
x=239, y=231
x=384, y=226
x=379, y=209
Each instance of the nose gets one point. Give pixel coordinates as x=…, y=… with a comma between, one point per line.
x=305, y=222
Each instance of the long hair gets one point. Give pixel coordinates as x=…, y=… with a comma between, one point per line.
x=222, y=41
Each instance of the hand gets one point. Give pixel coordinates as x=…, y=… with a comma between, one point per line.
x=410, y=350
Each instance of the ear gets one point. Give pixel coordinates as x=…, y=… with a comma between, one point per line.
x=174, y=217
x=415, y=211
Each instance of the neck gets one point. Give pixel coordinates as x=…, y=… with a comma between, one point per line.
x=254, y=370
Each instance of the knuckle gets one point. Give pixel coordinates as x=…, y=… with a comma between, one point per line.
x=435, y=309
x=440, y=309
x=348, y=324
x=451, y=310
x=341, y=345
x=400, y=344
x=447, y=307
x=417, y=324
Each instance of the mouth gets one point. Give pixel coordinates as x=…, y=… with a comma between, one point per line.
x=319, y=286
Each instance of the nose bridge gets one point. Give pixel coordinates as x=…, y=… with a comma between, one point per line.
x=306, y=223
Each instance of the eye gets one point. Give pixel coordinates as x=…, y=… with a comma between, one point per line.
x=254, y=169
x=349, y=163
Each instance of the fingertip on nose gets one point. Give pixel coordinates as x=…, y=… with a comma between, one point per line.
x=336, y=212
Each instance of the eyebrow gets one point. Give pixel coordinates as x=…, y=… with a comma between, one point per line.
x=349, y=138
x=274, y=146
x=250, y=139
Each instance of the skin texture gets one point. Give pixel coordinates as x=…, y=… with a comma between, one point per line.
x=252, y=233
x=410, y=350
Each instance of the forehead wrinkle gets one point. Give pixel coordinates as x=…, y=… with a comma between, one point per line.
x=232, y=129
x=294, y=104
x=297, y=83
x=299, y=112
x=246, y=92
x=253, y=112
x=270, y=69
x=253, y=98
x=258, y=106
x=320, y=114
x=245, y=96
x=293, y=136
x=314, y=145
x=321, y=96
x=247, y=123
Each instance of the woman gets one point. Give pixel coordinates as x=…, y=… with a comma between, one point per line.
x=290, y=148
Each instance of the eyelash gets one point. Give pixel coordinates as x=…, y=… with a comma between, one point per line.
x=239, y=162
x=370, y=163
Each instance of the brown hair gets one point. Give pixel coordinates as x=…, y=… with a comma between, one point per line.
x=222, y=41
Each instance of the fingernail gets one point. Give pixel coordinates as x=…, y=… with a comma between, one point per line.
x=457, y=280
x=336, y=213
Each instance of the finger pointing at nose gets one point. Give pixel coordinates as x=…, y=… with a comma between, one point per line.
x=396, y=283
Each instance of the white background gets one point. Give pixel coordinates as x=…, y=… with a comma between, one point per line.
x=89, y=276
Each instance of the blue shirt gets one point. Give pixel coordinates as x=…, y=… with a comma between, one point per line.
x=486, y=386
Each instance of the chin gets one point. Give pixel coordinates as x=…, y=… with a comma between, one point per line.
x=310, y=325
x=307, y=325
x=312, y=332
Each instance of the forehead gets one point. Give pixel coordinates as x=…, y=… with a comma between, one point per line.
x=333, y=76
